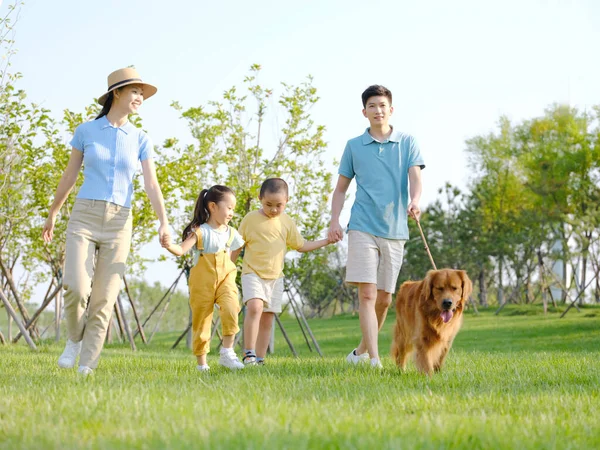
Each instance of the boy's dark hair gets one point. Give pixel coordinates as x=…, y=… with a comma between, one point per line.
x=375, y=91
x=273, y=185
x=215, y=194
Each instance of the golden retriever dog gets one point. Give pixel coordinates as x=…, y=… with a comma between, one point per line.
x=428, y=317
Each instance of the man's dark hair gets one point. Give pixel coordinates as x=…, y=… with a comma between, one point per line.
x=376, y=90
x=274, y=186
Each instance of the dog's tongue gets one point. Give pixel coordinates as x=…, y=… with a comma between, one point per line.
x=446, y=316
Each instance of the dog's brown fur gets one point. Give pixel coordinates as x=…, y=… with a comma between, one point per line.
x=419, y=323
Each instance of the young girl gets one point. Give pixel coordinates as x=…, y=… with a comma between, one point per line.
x=212, y=278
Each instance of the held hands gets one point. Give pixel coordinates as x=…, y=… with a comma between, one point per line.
x=336, y=233
x=414, y=211
x=48, y=231
x=164, y=235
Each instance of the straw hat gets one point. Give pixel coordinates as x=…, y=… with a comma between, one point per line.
x=123, y=77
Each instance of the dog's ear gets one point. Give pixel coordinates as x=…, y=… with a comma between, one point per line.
x=467, y=285
x=428, y=285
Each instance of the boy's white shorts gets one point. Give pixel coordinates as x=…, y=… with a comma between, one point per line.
x=269, y=291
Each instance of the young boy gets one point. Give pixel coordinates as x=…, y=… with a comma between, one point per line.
x=267, y=233
x=383, y=161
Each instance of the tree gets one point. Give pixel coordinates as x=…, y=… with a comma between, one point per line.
x=499, y=195
x=229, y=148
x=561, y=157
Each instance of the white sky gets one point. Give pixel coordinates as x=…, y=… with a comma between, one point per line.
x=453, y=67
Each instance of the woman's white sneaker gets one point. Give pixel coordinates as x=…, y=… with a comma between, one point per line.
x=85, y=371
x=203, y=367
x=69, y=355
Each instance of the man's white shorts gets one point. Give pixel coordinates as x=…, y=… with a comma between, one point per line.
x=269, y=291
x=373, y=259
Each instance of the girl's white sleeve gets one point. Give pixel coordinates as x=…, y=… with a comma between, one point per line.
x=238, y=241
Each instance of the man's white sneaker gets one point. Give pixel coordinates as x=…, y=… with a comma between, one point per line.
x=376, y=363
x=69, y=355
x=203, y=367
x=85, y=371
x=230, y=360
x=353, y=358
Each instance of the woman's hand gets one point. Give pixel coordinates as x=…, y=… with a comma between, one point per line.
x=48, y=232
x=164, y=235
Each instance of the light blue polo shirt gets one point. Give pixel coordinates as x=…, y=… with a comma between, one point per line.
x=110, y=159
x=381, y=171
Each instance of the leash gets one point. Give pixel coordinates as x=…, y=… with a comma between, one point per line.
x=425, y=244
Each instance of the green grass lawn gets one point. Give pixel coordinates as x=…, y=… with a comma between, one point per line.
x=520, y=380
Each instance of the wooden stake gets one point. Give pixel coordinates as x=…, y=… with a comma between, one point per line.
x=162, y=313
x=108, y=339
x=58, y=307
x=172, y=287
x=287, y=339
x=10, y=321
x=39, y=311
x=15, y=292
x=119, y=321
x=303, y=317
x=189, y=327
x=140, y=328
x=14, y=316
x=125, y=323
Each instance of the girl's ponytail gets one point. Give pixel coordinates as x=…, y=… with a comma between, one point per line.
x=215, y=194
x=200, y=214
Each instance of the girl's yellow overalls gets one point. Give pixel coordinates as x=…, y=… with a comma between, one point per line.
x=212, y=280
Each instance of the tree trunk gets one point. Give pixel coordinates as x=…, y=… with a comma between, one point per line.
x=583, y=279
x=542, y=282
x=529, y=289
x=483, y=301
x=565, y=246
x=500, y=283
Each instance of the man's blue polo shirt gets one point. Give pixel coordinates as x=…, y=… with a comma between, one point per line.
x=381, y=171
x=110, y=159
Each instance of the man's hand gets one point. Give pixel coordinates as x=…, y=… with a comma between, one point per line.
x=336, y=233
x=414, y=211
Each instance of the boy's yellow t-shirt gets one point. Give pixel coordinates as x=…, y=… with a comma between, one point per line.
x=267, y=240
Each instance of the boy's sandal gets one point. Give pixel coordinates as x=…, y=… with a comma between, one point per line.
x=246, y=357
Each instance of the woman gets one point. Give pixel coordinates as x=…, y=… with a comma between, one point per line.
x=99, y=229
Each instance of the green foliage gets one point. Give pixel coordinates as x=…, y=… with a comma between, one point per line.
x=533, y=183
x=229, y=148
